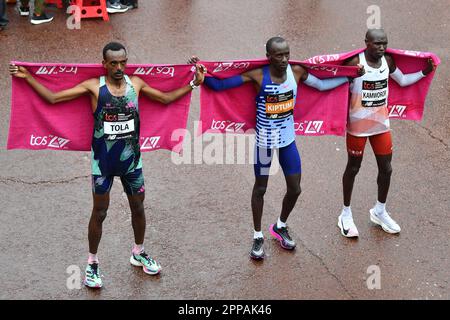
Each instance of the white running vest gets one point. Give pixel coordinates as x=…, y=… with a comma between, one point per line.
x=368, y=112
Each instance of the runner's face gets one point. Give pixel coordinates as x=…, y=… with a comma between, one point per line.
x=376, y=45
x=115, y=64
x=278, y=55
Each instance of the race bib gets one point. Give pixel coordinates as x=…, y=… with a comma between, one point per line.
x=374, y=93
x=118, y=125
x=280, y=105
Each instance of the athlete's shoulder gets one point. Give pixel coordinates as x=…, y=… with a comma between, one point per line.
x=390, y=62
x=352, y=61
x=92, y=83
x=137, y=81
x=297, y=67
x=254, y=74
x=257, y=71
x=388, y=57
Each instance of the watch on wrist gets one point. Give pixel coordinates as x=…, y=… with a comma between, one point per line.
x=192, y=84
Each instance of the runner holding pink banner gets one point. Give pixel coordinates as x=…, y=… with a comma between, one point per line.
x=36, y=124
x=316, y=112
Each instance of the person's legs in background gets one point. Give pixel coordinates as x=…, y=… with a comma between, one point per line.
x=3, y=20
x=39, y=15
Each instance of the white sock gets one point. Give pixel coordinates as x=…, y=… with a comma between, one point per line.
x=281, y=224
x=92, y=258
x=257, y=234
x=346, y=211
x=137, y=248
x=380, y=207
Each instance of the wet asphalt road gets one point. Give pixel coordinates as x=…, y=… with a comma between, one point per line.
x=199, y=218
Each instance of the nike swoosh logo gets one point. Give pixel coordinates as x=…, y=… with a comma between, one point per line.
x=381, y=71
x=343, y=228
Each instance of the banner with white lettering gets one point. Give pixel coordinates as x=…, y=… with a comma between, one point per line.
x=36, y=124
x=316, y=112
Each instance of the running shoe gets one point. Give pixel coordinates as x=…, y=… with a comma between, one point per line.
x=131, y=4
x=347, y=226
x=24, y=11
x=385, y=221
x=92, y=278
x=257, y=252
x=116, y=7
x=147, y=263
x=43, y=18
x=283, y=236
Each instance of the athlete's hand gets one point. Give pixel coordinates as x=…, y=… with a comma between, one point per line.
x=18, y=71
x=361, y=70
x=430, y=67
x=200, y=71
x=193, y=60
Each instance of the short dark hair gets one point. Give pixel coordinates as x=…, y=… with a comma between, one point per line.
x=271, y=41
x=113, y=46
x=371, y=32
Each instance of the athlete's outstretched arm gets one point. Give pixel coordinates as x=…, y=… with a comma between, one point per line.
x=49, y=96
x=168, y=97
x=228, y=83
x=410, y=78
x=319, y=84
x=324, y=84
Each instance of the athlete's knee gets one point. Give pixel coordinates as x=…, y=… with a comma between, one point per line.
x=259, y=191
x=386, y=170
x=294, y=191
x=99, y=212
x=137, y=208
x=353, y=169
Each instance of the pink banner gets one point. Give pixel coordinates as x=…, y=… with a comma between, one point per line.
x=35, y=124
x=316, y=112
x=234, y=110
x=405, y=103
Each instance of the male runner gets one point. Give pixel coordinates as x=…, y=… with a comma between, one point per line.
x=115, y=145
x=369, y=119
x=275, y=83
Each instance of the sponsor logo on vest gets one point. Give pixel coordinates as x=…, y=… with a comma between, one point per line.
x=397, y=111
x=150, y=142
x=49, y=141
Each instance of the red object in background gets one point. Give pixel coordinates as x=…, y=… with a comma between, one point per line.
x=92, y=8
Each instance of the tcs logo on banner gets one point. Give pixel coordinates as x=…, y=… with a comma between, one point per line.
x=50, y=141
x=150, y=143
x=227, y=125
x=309, y=127
x=397, y=111
x=55, y=70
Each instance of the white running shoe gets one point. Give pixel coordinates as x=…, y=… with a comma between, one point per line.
x=116, y=7
x=385, y=221
x=347, y=226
